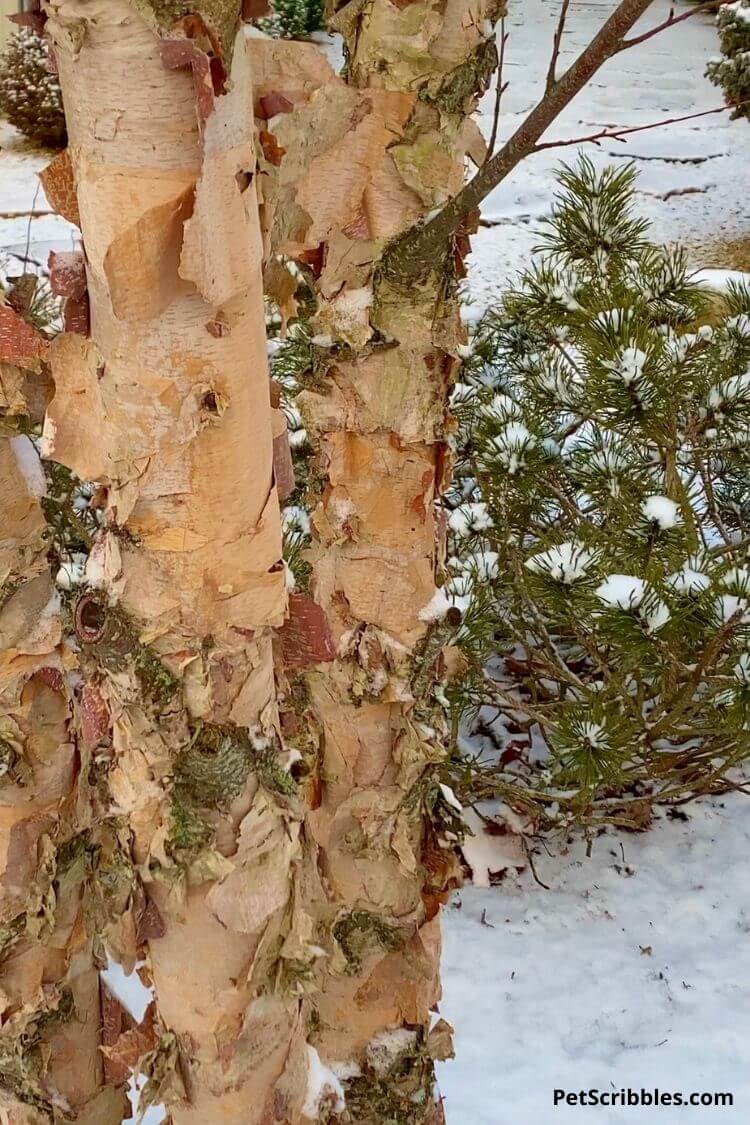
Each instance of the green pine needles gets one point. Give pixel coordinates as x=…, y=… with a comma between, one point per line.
x=601, y=517
x=732, y=70
x=30, y=94
x=294, y=19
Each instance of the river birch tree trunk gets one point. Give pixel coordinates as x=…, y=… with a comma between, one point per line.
x=53, y=847
x=352, y=163
x=167, y=407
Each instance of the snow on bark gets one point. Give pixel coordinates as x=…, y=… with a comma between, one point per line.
x=324, y=1090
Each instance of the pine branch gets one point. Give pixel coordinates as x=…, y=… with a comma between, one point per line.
x=680, y=705
x=415, y=253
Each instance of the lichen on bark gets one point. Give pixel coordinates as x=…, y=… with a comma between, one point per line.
x=50, y=948
x=219, y=16
x=392, y=145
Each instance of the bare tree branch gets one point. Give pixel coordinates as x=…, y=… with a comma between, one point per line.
x=671, y=21
x=552, y=72
x=415, y=253
x=501, y=88
x=618, y=133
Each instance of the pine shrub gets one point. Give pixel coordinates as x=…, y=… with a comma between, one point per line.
x=294, y=19
x=30, y=94
x=732, y=70
x=599, y=524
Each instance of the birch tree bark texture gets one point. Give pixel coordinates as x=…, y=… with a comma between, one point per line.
x=350, y=163
x=52, y=844
x=166, y=407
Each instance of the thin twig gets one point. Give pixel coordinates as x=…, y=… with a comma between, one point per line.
x=421, y=246
x=552, y=72
x=532, y=868
x=618, y=134
x=671, y=21
x=501, y=88
x=713, y=507
x=26, y=214
x=676, y=707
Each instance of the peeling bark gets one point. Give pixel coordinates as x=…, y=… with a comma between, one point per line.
x=349, y=165
x=283, y=928
x=167, y=408
x=51, y=846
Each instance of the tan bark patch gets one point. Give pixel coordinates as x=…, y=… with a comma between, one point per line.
x=59, y=187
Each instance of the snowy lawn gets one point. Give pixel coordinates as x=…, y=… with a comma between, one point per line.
x=27, y=225
x=632, y=970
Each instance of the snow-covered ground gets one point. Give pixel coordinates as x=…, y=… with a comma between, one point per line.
x=27, y=225
x=633, y=969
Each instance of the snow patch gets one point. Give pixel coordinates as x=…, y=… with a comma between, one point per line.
x=295, y=518
x=29, y=465
x=291, y=581
x=345, y=1071
x=567, y=562
x=622, y=591
x=154, y=1115
x=511, y=446
x=387, y=1047
x=47, y=442
x=72, y=572
x=629, y=365
x=741, y=670
x=562, y=974
x=324, y=1090
x=450, y=798
x=662, y=511
x=730, y=606
x=626, y=591
x=488, y=854
x=738, y=387
x=436, y=608
x=738, y=578
x=469, y=518
x=740, y=10
x=689, y=581
x=720, y=280
x=481, y=565
x=128, y=988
